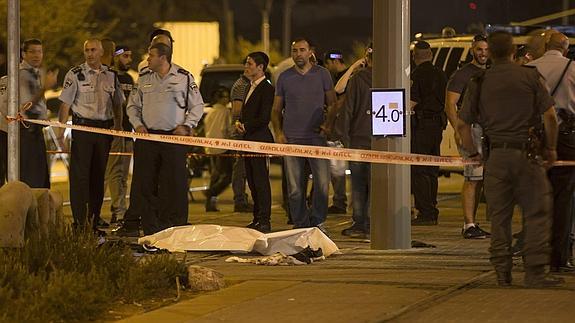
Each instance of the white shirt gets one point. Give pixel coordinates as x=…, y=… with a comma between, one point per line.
x=253, y=86
x=551, y=66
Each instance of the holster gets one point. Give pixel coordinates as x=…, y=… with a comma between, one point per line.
x=536, y=145
x=485, y=147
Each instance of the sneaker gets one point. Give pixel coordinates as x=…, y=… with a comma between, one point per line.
x=352, y=231
x=486, y=233
x=100, y=223
x=336, y=210
x=124, y=231
x=473, y=232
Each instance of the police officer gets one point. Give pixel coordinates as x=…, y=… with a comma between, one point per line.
x=508, y=100
x=119, y=165
x=93, y=94
x=427, y=100
x=559, y=74
x=166, y=101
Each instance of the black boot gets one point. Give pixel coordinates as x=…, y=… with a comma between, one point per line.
x=503, y=278
x=535, y=277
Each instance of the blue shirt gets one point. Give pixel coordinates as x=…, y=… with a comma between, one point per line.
x=304, y=100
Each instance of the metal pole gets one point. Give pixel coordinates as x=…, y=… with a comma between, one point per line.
x=266, y=25
x=566, y=5
x=286, y=46
x=13, y=95
x=390, y=184
x=229, y=28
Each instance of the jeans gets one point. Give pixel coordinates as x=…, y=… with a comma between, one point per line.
x=302, y=216
x=360, y=186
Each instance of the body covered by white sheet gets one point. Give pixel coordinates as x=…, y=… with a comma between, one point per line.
x=209, y=237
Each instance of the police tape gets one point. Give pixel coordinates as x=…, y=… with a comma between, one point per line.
x=345, y=154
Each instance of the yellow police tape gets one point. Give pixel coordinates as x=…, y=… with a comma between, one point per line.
x=346, y=154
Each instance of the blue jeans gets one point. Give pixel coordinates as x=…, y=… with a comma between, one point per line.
x=360, y=186
x=302, y=216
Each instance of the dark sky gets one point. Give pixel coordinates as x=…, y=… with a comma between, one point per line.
x=338, y=23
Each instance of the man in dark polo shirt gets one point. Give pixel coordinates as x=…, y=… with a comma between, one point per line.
x=509, y=101
x=302, y=92
x=473, y=175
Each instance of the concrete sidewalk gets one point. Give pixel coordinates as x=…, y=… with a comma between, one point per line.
x=450, y=283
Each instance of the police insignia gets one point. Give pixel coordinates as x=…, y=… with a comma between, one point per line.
x=68, y=83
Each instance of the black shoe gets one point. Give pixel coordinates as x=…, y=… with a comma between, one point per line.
x=503, y=278
x=474, y=232
x=247, y=207
x=124, y=231
x=353, y=231
x=566, y=268
x=336, y=210
x=264, y=227
x=535, y=277
x=421, y=221
x=100, y=223
x=211, y=204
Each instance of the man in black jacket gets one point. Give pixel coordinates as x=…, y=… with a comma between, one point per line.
x=253, y=123
x=353, y=125
x=427, y=100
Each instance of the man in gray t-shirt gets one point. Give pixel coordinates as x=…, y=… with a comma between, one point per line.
x=302, y=93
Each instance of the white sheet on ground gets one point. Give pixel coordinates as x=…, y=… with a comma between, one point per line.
x=210, y=237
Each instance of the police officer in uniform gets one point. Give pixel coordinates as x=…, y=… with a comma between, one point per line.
x=559, y=74
x=92, y=92
x=166, y=101
x=509, y=102
x=427, y=100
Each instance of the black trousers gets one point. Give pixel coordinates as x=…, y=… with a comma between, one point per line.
x=3, y=157
x=426, y=139
x=33, y=161
x=87, y=170
x=221, y=169
x=563, y=182
x=159, y=191
x=258, y=176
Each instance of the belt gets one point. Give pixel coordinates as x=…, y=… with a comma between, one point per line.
x=508, y=145
x=107, y=124
x=161, y=132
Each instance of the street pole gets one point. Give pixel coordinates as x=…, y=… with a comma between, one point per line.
x=13, y=96
x=286, y=46
x=390, y=184
x=266, y=25
x=566, y=5
x=229, y=28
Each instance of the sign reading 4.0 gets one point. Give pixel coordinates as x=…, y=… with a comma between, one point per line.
x=388, y=112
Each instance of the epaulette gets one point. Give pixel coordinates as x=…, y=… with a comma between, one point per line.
x=183, y=71
x=145, y=70
x=78, y=71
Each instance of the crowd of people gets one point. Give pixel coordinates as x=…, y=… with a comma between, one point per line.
x=497, y=104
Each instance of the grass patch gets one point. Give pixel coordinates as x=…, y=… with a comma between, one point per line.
x=68, y=277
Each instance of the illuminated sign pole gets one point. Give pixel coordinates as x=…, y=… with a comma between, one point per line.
x=390, y=184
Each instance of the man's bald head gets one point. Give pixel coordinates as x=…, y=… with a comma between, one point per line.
x=559, y=42
x=161, y=39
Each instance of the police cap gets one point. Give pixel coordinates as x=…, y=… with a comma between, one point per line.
x=421, y=44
